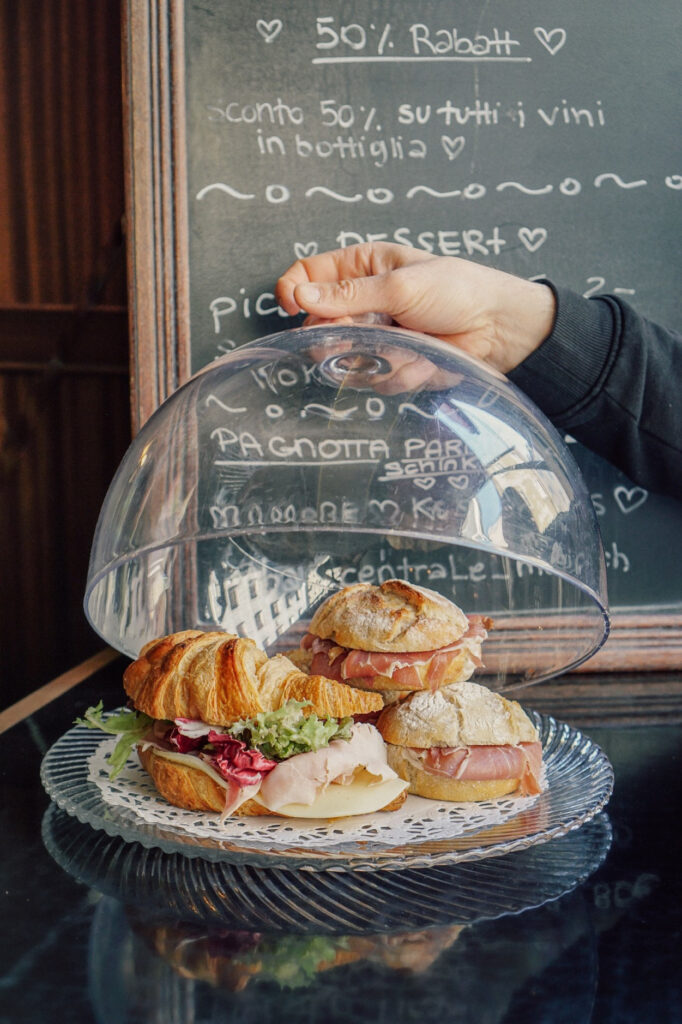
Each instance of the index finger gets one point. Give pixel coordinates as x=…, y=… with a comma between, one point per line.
x=364, y=260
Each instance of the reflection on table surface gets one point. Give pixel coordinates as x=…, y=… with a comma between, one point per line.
x=211, y=941
x=584, y=928
x=453, y=973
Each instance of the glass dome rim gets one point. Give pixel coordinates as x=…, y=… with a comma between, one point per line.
x=100, y=575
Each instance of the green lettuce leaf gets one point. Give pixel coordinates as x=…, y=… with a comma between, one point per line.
x=130, y=726
x=293, y=961
x=278, y=734
x=287, y=731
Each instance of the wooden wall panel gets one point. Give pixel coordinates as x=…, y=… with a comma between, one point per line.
x=61, y=181
x=64, y=381
x=62, y=435
x=30, y=610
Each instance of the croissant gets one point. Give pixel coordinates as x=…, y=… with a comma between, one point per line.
x=219, y=678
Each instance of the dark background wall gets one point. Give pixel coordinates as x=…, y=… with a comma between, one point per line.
x=64, y=403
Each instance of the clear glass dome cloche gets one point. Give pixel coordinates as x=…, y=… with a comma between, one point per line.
x=328, y=455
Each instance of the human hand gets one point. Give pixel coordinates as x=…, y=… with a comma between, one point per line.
x=489, y=314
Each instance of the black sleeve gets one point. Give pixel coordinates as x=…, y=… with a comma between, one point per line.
x=612, y=380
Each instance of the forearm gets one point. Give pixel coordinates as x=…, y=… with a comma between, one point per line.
x=599, y=370
x=609, y=378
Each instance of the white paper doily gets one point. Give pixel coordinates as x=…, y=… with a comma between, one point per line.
x=417, y=821
x=580, y=782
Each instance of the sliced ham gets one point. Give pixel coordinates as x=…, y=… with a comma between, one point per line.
x=300, y=779
x=328, y=658
x=478, y=763
x=419, y=670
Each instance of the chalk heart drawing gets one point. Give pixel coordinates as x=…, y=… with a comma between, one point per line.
x=630, y=498
x=388, y=510
x=303, y=249
x=269, y=30
x=424, y=482
x=452, y=147
x=533, y=238
x=458, y=482
x=552, y=39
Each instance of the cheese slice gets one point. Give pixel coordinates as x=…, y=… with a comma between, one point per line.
x=189, y=761
x=340, y=801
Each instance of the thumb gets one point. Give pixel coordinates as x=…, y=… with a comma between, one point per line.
x=351, y=296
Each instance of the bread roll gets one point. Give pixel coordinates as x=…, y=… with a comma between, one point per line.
x=464, y=715
x=219, y=678
x=440, y=787
x=460, y=715
x=395, y=616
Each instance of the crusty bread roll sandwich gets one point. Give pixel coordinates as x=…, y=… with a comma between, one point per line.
x=221, y=727
x=396, y=637
x=462, y=742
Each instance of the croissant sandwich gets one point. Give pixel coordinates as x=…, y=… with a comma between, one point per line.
x=463, y=743
x=230, y=959
x=393, y=638
x=221, y=727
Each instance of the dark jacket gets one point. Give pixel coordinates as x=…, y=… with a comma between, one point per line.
x=613, y=381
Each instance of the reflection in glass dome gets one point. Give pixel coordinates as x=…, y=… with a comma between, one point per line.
x=326, y=456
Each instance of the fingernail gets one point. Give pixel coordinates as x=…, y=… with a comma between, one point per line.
x=307, y=294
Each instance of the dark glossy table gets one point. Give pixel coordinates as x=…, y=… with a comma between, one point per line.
x=86, y=938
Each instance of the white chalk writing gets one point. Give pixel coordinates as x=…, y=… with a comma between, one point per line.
x=302, y=450
x=281, y=193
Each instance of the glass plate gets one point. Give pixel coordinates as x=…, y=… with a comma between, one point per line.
x=579, y=777
x=169, y=886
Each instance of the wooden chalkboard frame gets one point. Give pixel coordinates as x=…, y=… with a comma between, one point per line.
x=156, y=201
x=157, y=234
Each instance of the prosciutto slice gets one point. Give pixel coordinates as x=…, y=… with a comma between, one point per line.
x=479, y=763
x=420, y=670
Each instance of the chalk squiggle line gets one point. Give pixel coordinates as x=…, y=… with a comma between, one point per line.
x=214, y=400
x=674, y=181
x=415, y=408
x=523, y=188
x=325, y=410
x=333, y=195
x=598, y=181
x=219, y=186
x=432, y=192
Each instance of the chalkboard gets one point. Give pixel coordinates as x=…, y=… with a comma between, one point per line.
x=541, y=140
